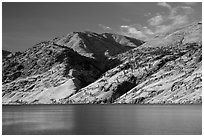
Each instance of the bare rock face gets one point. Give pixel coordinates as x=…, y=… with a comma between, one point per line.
x=100, y=47
x=88, y=68
x=94, y=45
x=5, y=53
x=166, y=70
x=41, y=74
x=56, y=69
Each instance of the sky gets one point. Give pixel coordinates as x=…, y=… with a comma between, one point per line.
x=26, y=24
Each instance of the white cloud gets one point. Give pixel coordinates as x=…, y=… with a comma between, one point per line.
x=160, y=23
x=136, y=31
x=187, y=9
x=162, y=29
x=164, y=4
x=177, y=16
x=156, y=20
x=180, y=20
x=147, y=31
x=104, y=27
x=132, y=32
x=172, y=23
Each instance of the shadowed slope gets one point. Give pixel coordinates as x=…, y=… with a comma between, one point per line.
x=58, y=68
x=164, y=70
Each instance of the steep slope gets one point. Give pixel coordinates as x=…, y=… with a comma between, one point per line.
x=98, y=46
x=55, y=69
x=101, y=47
x=85, y=67
x=5, y=53
x=43, y=73
x=123, y=40
x=167, y=69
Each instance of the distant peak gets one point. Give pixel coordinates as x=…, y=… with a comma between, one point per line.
x=83, y=32
x=89, y=32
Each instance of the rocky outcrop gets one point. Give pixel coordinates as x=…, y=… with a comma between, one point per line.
x=5, y=53
x=55, y=69
x=167, y=70
x=45, y=73
x=95, y=45
x=91, y=68
x=100, y=47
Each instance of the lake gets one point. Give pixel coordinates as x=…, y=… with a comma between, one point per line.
x=102, y=119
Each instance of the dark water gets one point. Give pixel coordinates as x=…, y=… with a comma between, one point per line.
x=102, y=119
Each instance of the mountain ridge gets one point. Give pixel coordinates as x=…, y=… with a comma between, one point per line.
x=165, y=70
x=76, y=70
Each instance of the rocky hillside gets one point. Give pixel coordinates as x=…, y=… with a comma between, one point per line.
x=98, y=46
x=58, y=68
x=86, y=67
x=165, y=70
x=5, y=53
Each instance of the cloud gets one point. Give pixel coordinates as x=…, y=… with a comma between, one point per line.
x=156, y=20
x=162, y=28
x=136, y=31
x=164, y=4
x=104, y=27
x=147, y=31
x=187, y=9
x=180, y=20
x=174, y=22
x=177, y=16
x=132, y=32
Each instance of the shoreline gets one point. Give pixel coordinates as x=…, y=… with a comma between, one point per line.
x=100, y=104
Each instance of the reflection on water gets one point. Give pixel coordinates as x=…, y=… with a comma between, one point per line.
x=37, y=119
x=102, y=119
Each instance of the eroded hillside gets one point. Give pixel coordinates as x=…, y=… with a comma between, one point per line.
x=86, y=67
x=56, y=69
x=166, y=70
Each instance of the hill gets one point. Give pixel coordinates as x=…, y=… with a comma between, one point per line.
x=91, y=68
x=58, y=68
x=165, y=70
